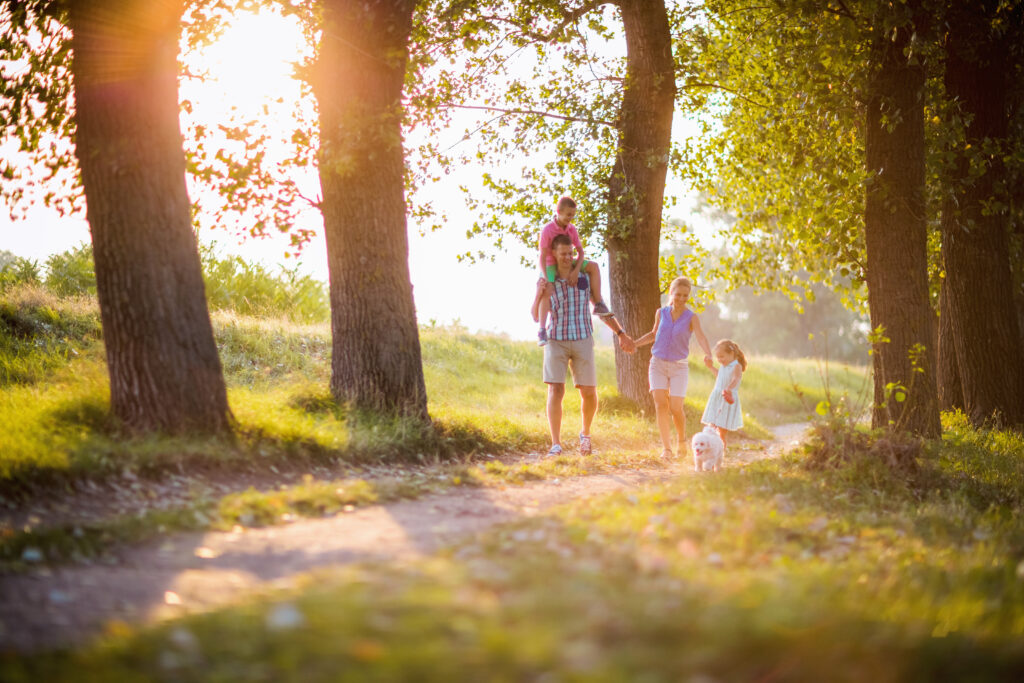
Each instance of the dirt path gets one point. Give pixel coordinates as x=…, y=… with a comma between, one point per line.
x=183, y=572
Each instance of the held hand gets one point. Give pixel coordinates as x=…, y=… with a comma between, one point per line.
x=627, y=343
x=573, y=278
x=707, y=361
x=549, y=288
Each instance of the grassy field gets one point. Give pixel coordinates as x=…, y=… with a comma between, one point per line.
x=850, y=570
x=861, y=557
x=485, y=396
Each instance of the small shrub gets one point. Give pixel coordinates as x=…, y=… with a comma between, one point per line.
x=838, y=443
x=15, y=270
x=71, y=273
x=233, y=283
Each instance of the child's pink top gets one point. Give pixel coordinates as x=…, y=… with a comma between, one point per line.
x=548, y=233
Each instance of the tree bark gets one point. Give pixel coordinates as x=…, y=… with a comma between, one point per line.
x=165, y=374
x=975, y=247
x=637, y=186
x=951, y=392
x=376, y=362
x=896, y=235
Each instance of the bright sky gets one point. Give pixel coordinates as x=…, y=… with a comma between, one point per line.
x=250, y=67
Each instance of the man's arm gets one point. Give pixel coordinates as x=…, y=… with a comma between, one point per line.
x=625, y=341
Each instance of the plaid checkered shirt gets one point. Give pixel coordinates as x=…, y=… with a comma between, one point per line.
x=570, y=312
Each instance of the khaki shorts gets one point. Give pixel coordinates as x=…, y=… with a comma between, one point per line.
x=579, y=355
x=668, y=375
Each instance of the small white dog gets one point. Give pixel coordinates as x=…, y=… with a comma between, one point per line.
x=708, y=449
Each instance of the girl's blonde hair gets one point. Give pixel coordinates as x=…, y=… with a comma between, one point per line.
x=733, y=348
x=680, y=282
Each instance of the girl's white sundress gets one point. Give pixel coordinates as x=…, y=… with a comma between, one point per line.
x=718, y=412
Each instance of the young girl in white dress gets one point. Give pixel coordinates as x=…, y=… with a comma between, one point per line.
x=723, y=410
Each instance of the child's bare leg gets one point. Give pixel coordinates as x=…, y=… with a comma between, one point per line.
x=545, y=305
x=721, y=433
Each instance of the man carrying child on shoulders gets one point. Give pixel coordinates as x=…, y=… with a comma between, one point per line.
x=571, y=344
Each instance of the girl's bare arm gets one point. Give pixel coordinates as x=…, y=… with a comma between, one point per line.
x=737, y=373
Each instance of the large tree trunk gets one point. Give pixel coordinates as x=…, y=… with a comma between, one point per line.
x=974, y=239
x=165, y=374
x=637, y=185
x=375, y=362
x=896, y=235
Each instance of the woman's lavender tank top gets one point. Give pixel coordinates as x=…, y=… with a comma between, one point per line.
x=673, y=340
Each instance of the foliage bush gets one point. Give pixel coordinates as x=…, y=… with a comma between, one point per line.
x=233, y=283
x=71, y=273
x=837, y=443
x=15, y=270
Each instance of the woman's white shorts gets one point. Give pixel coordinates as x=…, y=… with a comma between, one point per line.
x=670, y=375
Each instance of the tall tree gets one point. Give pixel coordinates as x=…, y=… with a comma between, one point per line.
x=361, y=68
x=636, y=187
x=895, y=231
x=989, y=350
x=165, y=373
x=821, y=156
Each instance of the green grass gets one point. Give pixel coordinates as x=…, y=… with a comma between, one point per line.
x=777, y=571
x=235, y=284
x=40, y=332
x=484, y=392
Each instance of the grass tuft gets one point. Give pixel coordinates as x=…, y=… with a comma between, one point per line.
x=837, y=444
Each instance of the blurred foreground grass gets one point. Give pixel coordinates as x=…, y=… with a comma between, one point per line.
x=776, y=571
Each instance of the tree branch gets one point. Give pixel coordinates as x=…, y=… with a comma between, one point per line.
x=843, y=11
x=568, y=17
x=728, y=90
x=528, y=112
x=745, y=9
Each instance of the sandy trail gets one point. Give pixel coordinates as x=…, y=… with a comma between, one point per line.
x=175, y=574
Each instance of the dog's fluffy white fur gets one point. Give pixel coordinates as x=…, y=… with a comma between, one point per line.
x=708, y=449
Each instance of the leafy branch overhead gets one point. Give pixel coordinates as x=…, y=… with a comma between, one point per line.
x=551, y=75
x=782, y=152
